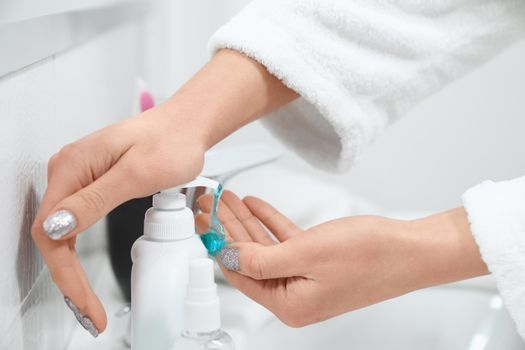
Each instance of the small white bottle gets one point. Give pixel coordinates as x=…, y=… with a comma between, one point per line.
x=159, y=276
x=202, y=319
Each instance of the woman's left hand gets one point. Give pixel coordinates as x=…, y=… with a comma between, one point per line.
x=306, y=276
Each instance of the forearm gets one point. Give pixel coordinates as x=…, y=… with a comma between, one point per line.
x=227, y=93
x=448, y=250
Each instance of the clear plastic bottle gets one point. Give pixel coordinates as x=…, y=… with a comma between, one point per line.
x=215, y=340
x=202, y=319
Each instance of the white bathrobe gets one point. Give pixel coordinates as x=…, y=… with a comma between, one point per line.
x=358, y=65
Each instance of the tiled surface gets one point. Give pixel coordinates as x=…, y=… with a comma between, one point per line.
x=43, y=107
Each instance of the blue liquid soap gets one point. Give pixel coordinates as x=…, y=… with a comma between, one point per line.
x=215, y=239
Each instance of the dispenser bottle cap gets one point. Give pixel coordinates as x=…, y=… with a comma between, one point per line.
x=202, y=307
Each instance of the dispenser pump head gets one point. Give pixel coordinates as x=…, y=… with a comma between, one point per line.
x=200, y=181
x=172, y=199
x=170, y=219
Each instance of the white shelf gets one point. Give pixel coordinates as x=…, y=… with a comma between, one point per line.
x=29, y=35
x=22, y=10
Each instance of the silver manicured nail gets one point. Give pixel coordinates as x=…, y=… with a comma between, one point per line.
x=59, y=224
x=229, y=258
x=83, y=320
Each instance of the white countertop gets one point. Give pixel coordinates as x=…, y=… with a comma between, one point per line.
x=239, y=321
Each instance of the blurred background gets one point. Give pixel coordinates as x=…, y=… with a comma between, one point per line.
x=69, y=68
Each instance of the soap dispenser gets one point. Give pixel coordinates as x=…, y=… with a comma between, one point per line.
x=124, y=223
x=159, y=274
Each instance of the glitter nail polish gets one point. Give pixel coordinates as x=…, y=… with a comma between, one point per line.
x=229, y=258
x=59, y=224
x=83, y=320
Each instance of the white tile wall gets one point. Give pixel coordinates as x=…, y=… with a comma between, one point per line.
x=43, y=107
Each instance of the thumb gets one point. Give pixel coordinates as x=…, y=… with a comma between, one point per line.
x=83, y=208
x=261, y=262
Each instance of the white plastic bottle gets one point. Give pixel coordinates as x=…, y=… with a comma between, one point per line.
x=159, y=276
x=202, y=319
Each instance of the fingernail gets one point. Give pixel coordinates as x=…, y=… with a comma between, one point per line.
x=229, y=258
x=59, y=224
x=83, y=320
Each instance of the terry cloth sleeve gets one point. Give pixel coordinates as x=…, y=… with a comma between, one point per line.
x=360, y=64
x=496, y=212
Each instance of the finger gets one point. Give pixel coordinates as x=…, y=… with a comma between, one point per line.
x=271, y=294
x=69, y=276
x=51, y=165
x=227, y=218
x=69, y=170
x=79, y=164
x=66, y=272
x=282, y=227
x=254, y=289
x=262, y=262
x=205, y=202
x=61, y=258
x=83, y=208
x=202, y=225
x=251, y=224
x=94, y=308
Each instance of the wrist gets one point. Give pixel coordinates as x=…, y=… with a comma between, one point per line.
x=227, y=93
x=446, y=248
x=181, y=120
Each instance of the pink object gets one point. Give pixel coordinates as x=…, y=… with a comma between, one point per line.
x=146, y=101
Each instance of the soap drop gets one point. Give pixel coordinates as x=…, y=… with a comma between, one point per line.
x=214, y=239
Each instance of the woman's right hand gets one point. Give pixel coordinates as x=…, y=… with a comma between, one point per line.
x=158, y=149
x=90, y=177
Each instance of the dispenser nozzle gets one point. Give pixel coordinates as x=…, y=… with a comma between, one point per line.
x=200, y=181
